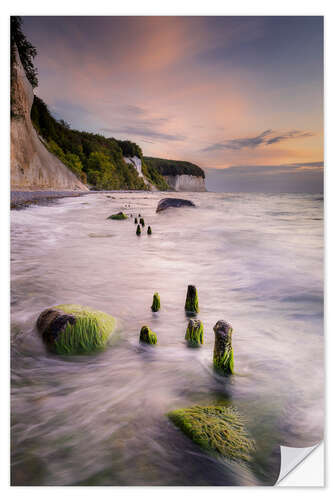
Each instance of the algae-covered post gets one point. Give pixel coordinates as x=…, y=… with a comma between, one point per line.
x=147, y=335
x=156, y=305
x=194, y=333
x=149, y=231
x=138, y=230
x=223, y=353
x=192, y=301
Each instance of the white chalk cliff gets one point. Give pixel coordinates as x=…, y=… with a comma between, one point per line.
x=186, y=182
x=136, y=162
x=32, y=166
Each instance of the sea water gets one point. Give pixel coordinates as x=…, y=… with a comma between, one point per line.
x=100, y=419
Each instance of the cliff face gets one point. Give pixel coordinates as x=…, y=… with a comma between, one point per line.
x=186, y=182
x=137, y=164
x=32, y=166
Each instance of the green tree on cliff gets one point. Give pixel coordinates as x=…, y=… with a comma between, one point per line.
x=25, y=49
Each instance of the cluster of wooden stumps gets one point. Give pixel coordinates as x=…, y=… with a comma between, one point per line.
x=140, y=222
x=223, y=358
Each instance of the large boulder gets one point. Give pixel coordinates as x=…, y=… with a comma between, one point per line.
x=173, y=202
x=73, y=329
x=217, y=429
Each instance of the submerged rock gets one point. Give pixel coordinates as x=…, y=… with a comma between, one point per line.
x=223, y=353
x=156, y=305
x=192, y=301
x=73, y=329
x=118, y=216
x=173, y=202
x=194, y=333
x=217, y=429
x=147, y=335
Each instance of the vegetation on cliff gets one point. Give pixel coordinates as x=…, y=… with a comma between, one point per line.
x=26, y=50
x=173, y=167
x=92, y=157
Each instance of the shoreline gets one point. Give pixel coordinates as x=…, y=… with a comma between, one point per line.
x=23, y=199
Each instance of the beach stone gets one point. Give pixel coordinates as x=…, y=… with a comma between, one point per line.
x=73, y=329
x=118, y=216
x=173, y=202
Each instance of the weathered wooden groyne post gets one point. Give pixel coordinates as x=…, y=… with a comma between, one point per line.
x=192, y=301
x=194, y=333
x=156, y=305
x=223, y=358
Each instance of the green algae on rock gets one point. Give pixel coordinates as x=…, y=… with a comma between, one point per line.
x=142, y=222
x=118, y=216
x=223, y=358
x=149, y=231
x=156, y=305
x=135, y=220
x=194, y=333
x=216, y=428
x=138, y=230
x=147, y=335
x=73, y=329
x=192, y=301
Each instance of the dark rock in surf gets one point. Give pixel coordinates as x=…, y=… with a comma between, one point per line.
x=174, y=203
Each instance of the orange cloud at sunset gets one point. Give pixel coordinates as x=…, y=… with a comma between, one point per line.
x=191, y=88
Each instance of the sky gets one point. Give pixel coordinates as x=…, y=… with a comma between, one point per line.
x=242, y=97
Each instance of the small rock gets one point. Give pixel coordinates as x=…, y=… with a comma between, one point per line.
x=118, y=216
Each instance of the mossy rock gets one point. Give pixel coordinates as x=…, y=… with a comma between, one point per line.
x=217, y=429
x=147, y=335
x=73, y=329
x=118, y=216
x=138, y=230
x=156, y=305
x=149, y=231
x=194, y=333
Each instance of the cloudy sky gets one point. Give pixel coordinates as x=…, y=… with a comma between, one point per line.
x=240, y=96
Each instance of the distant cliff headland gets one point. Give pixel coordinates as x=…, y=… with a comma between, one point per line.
x=180, y=175
x=48, y=154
